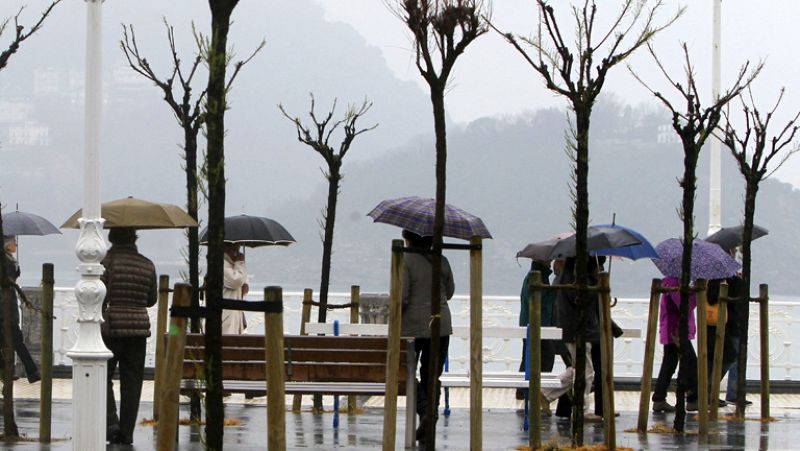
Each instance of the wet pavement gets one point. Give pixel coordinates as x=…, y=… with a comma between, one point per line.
x=502, y=430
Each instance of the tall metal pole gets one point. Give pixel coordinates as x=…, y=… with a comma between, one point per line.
x=715, y=185
x=89, y=355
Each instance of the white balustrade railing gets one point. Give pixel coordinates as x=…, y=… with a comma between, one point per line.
x=498, y=354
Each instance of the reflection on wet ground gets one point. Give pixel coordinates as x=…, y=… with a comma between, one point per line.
x=502, y=430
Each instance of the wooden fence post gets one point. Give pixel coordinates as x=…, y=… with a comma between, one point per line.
x=702, y=360
x=355, y=301
x=534, y=351
x=649, y=355
x=476, y=344
x=161, y=329
x=393, y=351
x=46, y=394
x=173, y=370
x=763, y=314
x=719, y=349
x=305, y=317
x=607, y=362
x=274, y=356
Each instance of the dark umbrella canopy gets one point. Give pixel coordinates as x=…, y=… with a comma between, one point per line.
x=598, y=237
x=709, y=261
x=729, y=238
x=417, y=214
x=21, y=223
x=253, y=231
x=634, y=251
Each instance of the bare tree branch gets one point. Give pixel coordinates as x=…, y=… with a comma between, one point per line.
x=20, y=35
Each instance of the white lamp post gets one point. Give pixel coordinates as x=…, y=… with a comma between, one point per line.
x=715, y=185
x=89, y=355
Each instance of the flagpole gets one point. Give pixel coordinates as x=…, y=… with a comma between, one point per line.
x=715, y=185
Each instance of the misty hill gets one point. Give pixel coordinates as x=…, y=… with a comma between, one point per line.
x=515, y=175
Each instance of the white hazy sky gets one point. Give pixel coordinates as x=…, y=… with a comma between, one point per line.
x=491, y=79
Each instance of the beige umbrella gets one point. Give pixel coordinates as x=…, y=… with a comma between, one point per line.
x=138, y=214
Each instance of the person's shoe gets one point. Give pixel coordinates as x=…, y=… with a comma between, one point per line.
x=592, y=418
x=520, y=394
x=545, y=405
x=721, y=403
x=733, y=402
x=113, y=434
x=34, y=378
x=691, y=406
x=662, y=406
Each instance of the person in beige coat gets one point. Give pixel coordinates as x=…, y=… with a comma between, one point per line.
x=235, y=287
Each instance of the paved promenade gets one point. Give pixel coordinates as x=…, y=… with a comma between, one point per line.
x=502, y=425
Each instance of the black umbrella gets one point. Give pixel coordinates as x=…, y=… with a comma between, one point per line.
x=729, y=238
x=21, y=223
x=598, y=237
x=253, y=231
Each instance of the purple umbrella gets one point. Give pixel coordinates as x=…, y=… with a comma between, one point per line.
x=709, y=261
x=416, y=214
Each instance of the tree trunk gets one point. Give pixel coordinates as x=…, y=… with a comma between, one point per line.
x=190, y=150
x=751, y=190
x=689, y=185
x=583, y=113
x=215, y=134
x=440, y=129
x=327, y=243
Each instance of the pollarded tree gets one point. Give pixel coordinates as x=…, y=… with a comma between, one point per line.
x=319, y=140
x=758, y=156
x=694, y=124
x=214, y=111
x=577, y=70
x=19, y=34
x=442, y=30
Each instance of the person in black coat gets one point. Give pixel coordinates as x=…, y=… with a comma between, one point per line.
x=12, y=272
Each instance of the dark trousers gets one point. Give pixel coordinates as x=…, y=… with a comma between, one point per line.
x=129, y=353
x=24, y=355
x=668, y=365
x=422, y=347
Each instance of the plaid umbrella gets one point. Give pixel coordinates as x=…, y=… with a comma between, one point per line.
x=416, y=214
x=709, y=261
x=729, y=238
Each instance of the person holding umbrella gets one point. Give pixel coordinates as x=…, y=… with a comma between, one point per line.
x=235, y=287
x=416, y=317
x=130, y=278
x=12, y=272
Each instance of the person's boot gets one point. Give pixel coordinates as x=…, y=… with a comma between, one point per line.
x=662, y=406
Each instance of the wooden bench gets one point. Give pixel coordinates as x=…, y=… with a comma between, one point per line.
x=332, y=365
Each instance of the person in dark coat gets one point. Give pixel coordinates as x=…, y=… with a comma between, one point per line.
x=730, y=348
x=12, y=272
x=131, y=288
x=416, y=318
x=566, y=320
x=548, y=298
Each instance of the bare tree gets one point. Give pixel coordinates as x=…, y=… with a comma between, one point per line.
x=319, y=139
x=215, y=107
x=20, y=32
x=694, y=125
x=10, y=429
x=442, y=30
x=758, y=156
x=577, y=71
x=188, y=111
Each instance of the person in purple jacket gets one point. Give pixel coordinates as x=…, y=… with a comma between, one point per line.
x=669, y=319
